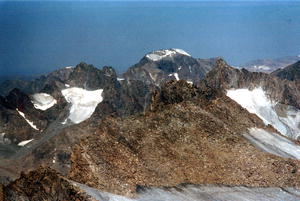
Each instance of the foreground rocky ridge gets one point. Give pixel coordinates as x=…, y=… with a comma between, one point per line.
x=198, y=140
x=43, y=184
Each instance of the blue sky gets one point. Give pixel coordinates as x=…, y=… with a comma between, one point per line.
x=39, y=37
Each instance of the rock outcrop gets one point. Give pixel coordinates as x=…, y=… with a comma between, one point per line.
x=43, y=184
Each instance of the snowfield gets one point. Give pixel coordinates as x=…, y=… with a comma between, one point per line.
x=273, y=143
x=199, y=193
x=257, y=102
x=83, y=102
x=160, y=54
x=43, y=101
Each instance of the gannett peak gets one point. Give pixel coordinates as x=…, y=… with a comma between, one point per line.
x=160, y=54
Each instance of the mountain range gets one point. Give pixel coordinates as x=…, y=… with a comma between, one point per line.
x=170, y=121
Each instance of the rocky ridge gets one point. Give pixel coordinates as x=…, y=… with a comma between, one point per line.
x=140, y=131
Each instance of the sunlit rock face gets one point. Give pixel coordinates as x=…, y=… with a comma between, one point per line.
x=286, y=119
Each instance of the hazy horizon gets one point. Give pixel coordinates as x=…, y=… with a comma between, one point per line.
x=40, y=36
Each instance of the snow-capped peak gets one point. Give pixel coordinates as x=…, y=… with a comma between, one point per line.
x=160, y=54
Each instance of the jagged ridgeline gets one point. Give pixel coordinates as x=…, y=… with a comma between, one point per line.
x=169, y=121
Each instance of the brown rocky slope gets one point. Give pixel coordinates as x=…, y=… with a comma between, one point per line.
x=189, y=136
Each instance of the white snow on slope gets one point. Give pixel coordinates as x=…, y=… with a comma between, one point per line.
x=160, y=54
x=83, y=102
x=120, y=79
x=175, y=75
x=23, y=143
x=273, y=143
x=200, y=193
x=43, y=101
x=153, y=78
x=257, y=102
x=28, y=121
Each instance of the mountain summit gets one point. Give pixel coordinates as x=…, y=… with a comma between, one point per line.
x=161, y=66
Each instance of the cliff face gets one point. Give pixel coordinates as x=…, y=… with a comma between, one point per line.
x=195, y=140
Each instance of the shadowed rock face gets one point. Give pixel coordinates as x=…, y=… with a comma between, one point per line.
x=291, y=72
x=173, y=66
x=13, y=125
x=196, y=140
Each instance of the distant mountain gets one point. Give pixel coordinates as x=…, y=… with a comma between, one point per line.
x=270, y=65
x=161, y=66
x=291, y=72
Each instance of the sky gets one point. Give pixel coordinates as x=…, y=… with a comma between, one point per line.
x=39, y=37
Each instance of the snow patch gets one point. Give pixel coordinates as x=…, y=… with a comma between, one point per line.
x=43, y=101
x=69, y=67
x=28, y=121
x=120, y=79
x=23, y=143
x=160, y=54
x=190, y=82
x=175, y=75
x=179, y=68
x=257, y=102
x=83, y=102
x=273, y=143
x=67, y=85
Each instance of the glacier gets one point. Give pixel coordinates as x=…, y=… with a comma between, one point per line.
x=256, y=101
x=83, y=102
